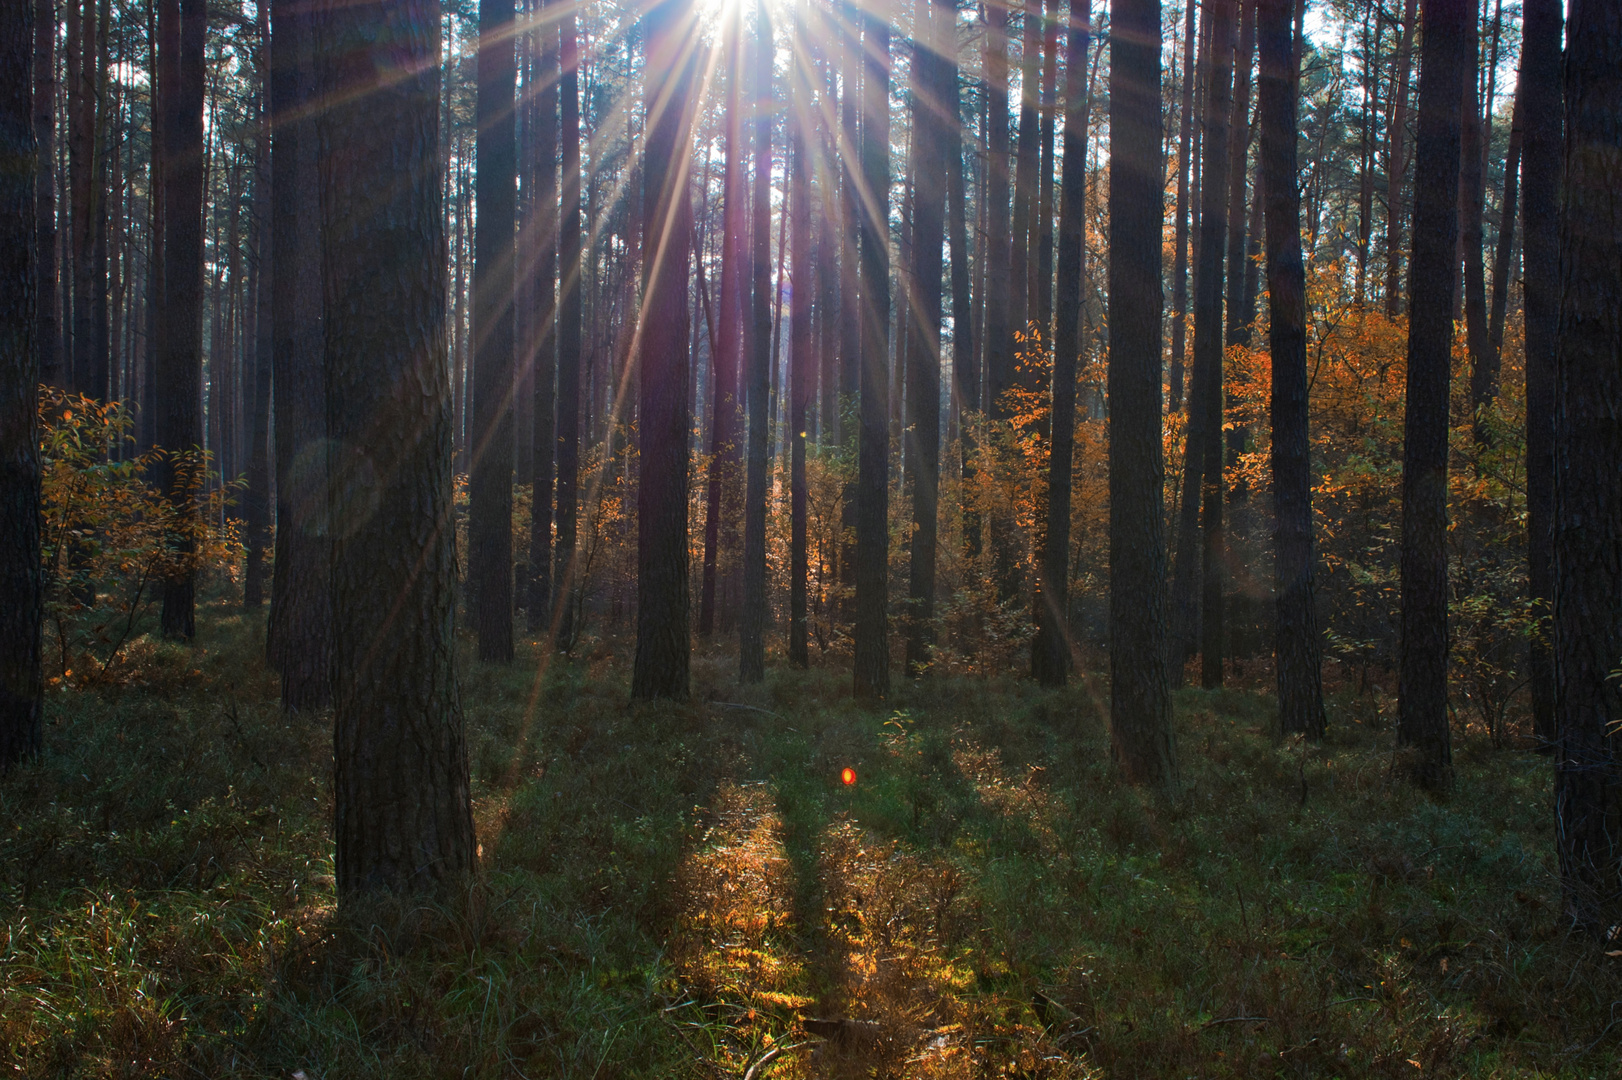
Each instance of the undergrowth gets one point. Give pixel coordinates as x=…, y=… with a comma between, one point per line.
x=690, y=890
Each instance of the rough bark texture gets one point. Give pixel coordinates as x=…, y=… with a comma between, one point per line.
x=299, y=642
x=495, y=193
x=1140, y=694
x=872, y=660
x=1197, y=599
x=1042, y=306
x=1503, y=259
x=1588, y=486
x=802, y=365
x=934, y=77
x=403, y=820
x=752, y=623
x=570, y=326
x=1396, y=159
x=1472, y=209
x=999, y=329
x=544, y=321
x=1050, y=652
x=662, y=660
x=1297, y=645
x=1185, y=154
x=180, y=363
x=22, y=688
x=1021, y=298
x=257, y=498
x=1540, y=256
x=48, y=332
x=84, y=193
x=1422, y=723
x=1239, y=315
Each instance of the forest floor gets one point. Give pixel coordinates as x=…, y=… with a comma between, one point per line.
x=690, y=890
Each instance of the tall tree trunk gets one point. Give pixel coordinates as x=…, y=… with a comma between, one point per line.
x=1239, y=317
x=1422, y=723
x=1020, y=298
x=48, y=331
x=101, y=369
x=661, y=666
x=802, y=364
x=1044, y=189
x=752, y=623
x=1185, y=154
x=1540, y=255
x=156, y=331
x=1373, y=28
x=934, y=97
x=1472, y=194
x=257, y=497
x=180, y=365
x=1588, y=488
x=1297, y=647
x=872, y=644
x=1140, y=693
x=999, y=324
x=1396, y=158
x=495, y=185
x=544, y=316
x=1050, y=653
x=83, y=189
x=404, y=820
x=22, y=689
x=570, y=271
x=1503, y=259
x=827, y=179
x=299, y=642
x=965, y=370
x=721, y=485
x=1197, y=609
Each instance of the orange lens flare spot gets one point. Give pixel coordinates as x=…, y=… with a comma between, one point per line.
x=847, y=776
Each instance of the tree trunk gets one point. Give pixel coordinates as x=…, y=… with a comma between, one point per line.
x=1588, y=488
x=1185, y=154
x=299, y=642
x=999, y=327
x=802, y=364
x=965, y=371
x=726, y=449
x=82, y=187
x=545, y=318
x=1050, y=652
x=1197, y=609
x=1503, y=259
x=257, y=497
x=1422, y=723
x=404, y=821
x=662, y=649
x=1540, y=256
x=570, y=272
x=180, y=365
x=934, y=96
x=1297, y=646
x=1140, y=694
x=1472, y=195
x=1396, y=159
x=48, y=332
x=1044, y=189
x=1020, y=297
x=1239, y=317
x=495, y=187
x=22, y=688
x=752, y=624
x=872, y=646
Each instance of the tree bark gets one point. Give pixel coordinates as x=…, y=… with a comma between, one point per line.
x=662, y=659
x=802, y=364
x=872, y=645
x=180, y=365
x=1588, y=487
x=1020, y=297
x=545, y=318
x=1472, y=196
x=403, y=819
x=1043, y=276
x=1422, y=723
x=1185, y=154
x=1396, y=162
x=1297, y=645
x=999, y=325
x=570, y=326
x=495, y=191
x=1197, y=599
x=1050, y=652
x=1239, y=316
x=22, y=689
x=48, y=332
x=257, y=498
x=1140, y=694
x=1540, y=256
x=752, y=623
x=84, y=192
x=299, y=642
x=1503, y=258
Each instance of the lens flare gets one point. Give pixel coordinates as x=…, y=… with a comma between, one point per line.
x=847, y=776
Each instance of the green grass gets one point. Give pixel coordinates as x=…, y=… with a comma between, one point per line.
x=667, y=890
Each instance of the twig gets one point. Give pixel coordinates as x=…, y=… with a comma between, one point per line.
x=1236, y=1020
x=767, y=1058
x=737, y=705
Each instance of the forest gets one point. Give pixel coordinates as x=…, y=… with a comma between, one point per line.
x=811, y=538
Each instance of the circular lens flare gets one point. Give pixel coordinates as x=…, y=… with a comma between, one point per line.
x=847, y=776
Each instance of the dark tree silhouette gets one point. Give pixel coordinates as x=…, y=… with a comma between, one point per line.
x=872, y=644
x=179, y=376
x=802, y=364
x=1588, y=486
x=999, y=330
x=495, y=193
x=1472, y=210
x=299, y=641
x=47, y=335
x=1422, y=723
x=662, y=650
x=1185, y=155
x=1540, y=66
x=570, y=326
x=1297, y=648
x=544, y=147
x=1050, y=652
x=403, y=819
x=1396, y=159
x=256, y=508
x=1140, y=694
x=752, y=621
x=22, y=689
